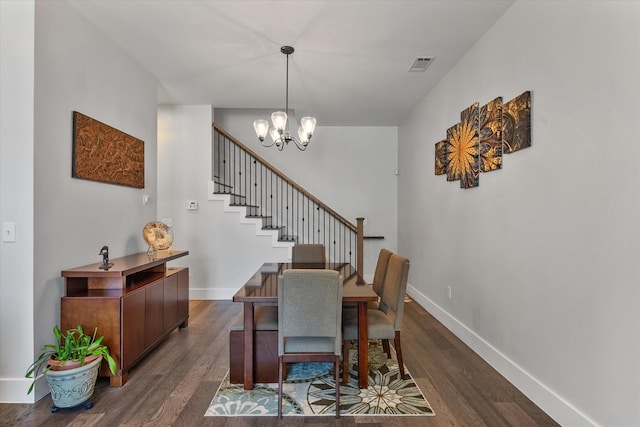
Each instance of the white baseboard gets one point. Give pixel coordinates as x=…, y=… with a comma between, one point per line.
x=554, y=405
x=14, y=390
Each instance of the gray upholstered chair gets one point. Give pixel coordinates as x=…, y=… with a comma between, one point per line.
x=384, y=323
x=309, y=320
x=308, y=253
x=379, y=275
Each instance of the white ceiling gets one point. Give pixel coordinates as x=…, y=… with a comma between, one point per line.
x=351, y=60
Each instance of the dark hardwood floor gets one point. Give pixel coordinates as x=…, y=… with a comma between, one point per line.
x=174, y=384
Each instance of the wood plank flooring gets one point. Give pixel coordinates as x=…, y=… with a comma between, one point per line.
x=174, y=385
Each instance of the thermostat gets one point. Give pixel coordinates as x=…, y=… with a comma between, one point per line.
x=192, y=205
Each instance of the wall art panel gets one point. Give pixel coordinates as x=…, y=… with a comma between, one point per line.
x=516, y=123
x=468, y=147
x=441, y=157
x=105, y=154
x=491, y=136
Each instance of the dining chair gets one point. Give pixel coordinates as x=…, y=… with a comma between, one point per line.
x=385, y=322
x=309, y=320
x=378, y=281
x=379, y=275
x=308, y=253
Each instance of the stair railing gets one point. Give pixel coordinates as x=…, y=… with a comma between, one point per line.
x=282, y=204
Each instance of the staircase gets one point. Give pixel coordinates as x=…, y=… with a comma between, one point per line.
x=279, y=205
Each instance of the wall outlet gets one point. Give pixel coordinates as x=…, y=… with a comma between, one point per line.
x=449, y=292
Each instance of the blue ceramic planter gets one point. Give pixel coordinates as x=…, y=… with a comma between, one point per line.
x=73, y=387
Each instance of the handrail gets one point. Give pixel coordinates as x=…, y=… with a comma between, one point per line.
x=301, y=189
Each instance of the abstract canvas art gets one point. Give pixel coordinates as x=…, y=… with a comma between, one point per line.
x=441, y=157
x=491, y=136
x=516, y=123
x=484, y=134
x=105, y=154
x=467, y=147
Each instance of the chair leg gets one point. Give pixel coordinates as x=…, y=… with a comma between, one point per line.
x=386, y=348
x=346, y=346
x=396, y=344
x=280, y=368
x=336, y=368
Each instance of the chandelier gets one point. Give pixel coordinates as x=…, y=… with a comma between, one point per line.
x=280, y=135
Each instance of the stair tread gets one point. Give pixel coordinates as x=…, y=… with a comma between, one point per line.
x=222, y=184
x=244, y=205
x=230, y=194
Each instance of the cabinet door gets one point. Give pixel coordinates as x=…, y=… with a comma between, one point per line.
x=183, y=293
x=170, y=301
x=133, y=315
x=154, y=316
x=91, y=313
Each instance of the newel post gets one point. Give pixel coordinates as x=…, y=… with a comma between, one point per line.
x=360, y=258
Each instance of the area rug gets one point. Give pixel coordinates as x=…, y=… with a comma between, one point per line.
x=310, y=391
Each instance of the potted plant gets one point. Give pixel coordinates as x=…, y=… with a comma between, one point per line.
x=71, y=367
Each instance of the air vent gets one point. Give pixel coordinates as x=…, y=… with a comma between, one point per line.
x=421, y=63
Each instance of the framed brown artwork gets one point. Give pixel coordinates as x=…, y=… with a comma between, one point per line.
x=105, y=154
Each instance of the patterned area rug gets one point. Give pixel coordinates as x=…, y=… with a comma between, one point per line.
x=310, y=390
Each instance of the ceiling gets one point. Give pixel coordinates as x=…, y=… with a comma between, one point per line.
x=350, y=65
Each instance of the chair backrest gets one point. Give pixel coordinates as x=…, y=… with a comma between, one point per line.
x=395, y=286
x=308, y=252
x=381, y=271
x=309, y=305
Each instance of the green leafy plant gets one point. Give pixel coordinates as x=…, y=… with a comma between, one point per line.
x=72, y=346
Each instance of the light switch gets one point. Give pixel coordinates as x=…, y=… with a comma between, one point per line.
x=8, y=231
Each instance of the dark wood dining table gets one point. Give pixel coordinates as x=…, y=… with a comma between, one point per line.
x=262, y=289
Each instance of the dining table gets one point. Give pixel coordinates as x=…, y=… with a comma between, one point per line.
x=262, y=289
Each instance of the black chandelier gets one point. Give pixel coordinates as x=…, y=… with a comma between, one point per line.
x=280, y=135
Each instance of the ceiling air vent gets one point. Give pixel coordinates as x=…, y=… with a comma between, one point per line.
x=421, y=63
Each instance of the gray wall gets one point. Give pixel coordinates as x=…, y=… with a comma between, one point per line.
x=78, y=68
x=542, y=256
x=16, y=195
x=223, y=252
x=350, y=168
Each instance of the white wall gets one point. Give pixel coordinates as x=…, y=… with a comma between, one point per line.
x=223, y=253
x=78, y=68
x=16, y=195
x=350, y=168
x=542, y=256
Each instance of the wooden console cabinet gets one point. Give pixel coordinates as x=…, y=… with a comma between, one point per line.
x=134, y=304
